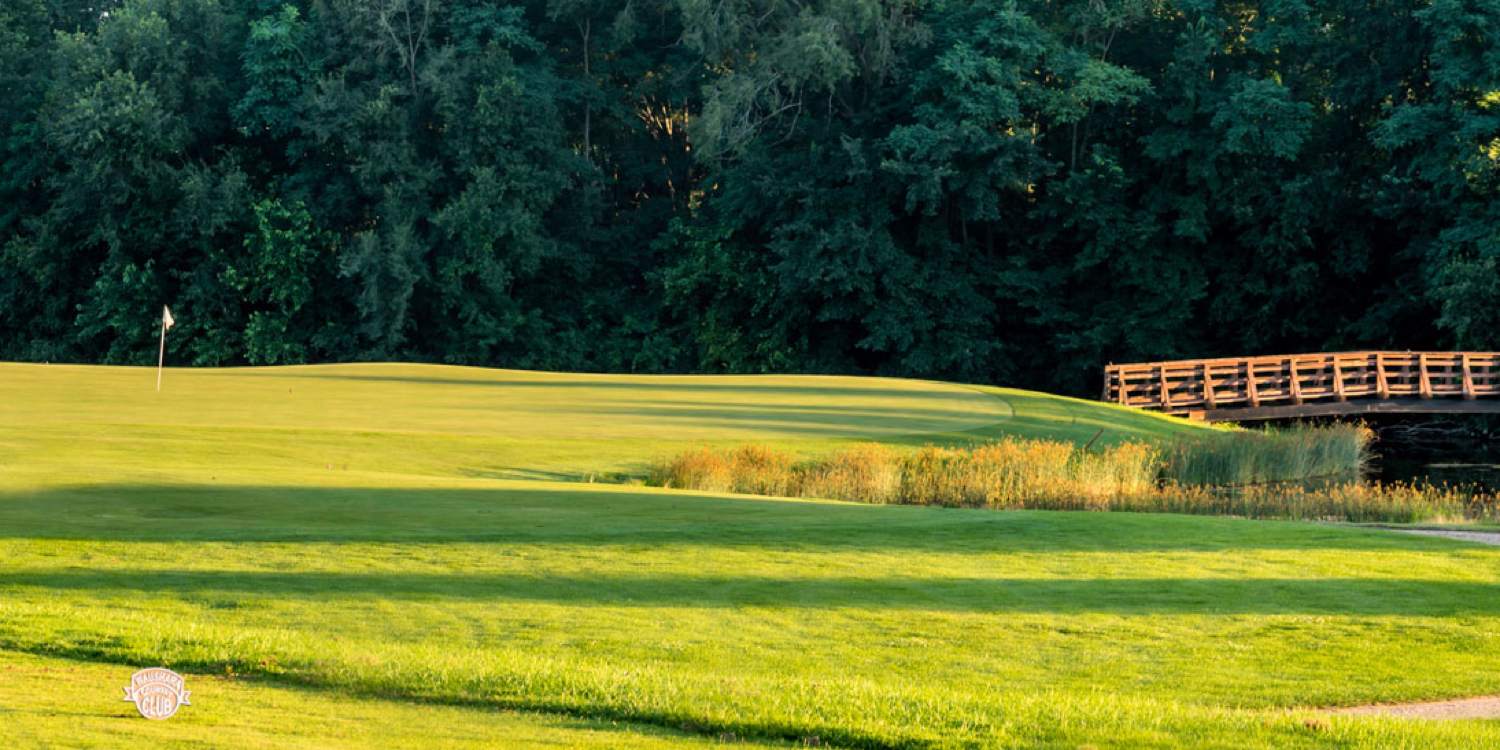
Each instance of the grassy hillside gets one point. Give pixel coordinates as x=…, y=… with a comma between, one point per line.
x=216, y=529
x=284, y=425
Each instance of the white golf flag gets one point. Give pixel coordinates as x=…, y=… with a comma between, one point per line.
x=161, y=355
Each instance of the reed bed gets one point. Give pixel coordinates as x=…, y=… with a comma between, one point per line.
x=1348, y=501
x=1242, y=474
x=1247, y=457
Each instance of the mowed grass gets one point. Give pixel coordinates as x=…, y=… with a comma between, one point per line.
x=232, y=540
x=282, y=424
x=51, y=702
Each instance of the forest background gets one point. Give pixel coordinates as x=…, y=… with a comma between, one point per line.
x=1004, y=192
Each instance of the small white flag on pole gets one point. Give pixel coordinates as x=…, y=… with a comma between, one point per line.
x=161, y=356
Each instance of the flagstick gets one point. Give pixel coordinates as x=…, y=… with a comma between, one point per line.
x=161, y=357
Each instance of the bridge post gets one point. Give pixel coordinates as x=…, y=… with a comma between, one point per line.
x=1338, y=380
x=1296, y=384
x=1166, y=395
x=1468, y=378
x=1208, y=386
x=1383, y=387
x=1426, y=381
x=1251, y=391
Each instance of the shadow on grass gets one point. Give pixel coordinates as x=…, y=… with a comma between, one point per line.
x=601, y=515
x=786, y=421
x=1126, y=596
x=689, y=383
x=829, y=417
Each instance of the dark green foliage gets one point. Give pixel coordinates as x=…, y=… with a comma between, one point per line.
x=1013, y=192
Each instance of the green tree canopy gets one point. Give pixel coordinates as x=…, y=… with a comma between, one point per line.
x=1008, y=192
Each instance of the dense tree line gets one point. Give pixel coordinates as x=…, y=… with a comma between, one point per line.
x=979, y=190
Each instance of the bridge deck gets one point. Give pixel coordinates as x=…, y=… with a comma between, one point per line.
x=1303, y=385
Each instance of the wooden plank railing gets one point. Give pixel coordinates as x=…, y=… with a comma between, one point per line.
x=1191, y=386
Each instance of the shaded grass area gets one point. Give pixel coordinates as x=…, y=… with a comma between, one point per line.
x=1158, y=595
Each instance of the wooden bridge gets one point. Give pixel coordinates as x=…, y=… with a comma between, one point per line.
x=1310, y=385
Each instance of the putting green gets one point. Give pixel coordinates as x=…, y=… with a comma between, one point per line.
x=502, y=403
x=292, y=425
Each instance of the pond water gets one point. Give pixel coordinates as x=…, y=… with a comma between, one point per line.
x=1437, y=452
x=1440, y=470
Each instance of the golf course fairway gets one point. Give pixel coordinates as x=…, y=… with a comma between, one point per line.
x=381, y=555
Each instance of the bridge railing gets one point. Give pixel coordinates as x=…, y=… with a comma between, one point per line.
x=1190, y=386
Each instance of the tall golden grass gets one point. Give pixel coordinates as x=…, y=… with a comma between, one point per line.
x=1351, y=501
x=1004, y=474
x=1213, y=476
